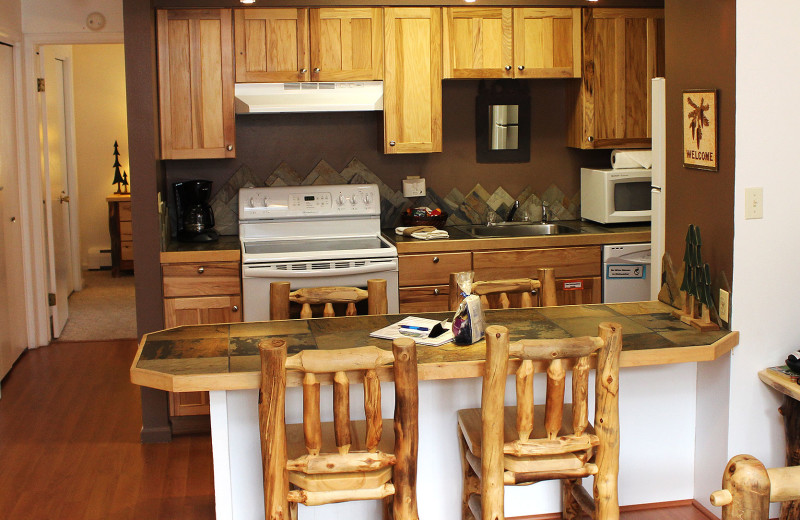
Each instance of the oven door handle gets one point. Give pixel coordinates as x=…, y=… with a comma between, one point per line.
x=252, y=271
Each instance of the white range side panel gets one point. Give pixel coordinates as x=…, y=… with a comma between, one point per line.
x=658, y=192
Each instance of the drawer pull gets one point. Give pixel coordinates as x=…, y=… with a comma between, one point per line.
x=436, y=292
x=235, y=308
x=435, y=259
x=201, y=270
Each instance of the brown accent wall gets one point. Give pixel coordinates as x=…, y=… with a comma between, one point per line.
x=701, y=53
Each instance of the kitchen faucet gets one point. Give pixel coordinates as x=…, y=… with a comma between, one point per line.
x=544, y=213
x=513, y=210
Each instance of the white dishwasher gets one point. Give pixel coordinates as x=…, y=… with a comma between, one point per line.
x=626, y=273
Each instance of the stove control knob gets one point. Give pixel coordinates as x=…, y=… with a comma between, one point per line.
x=367, y=198
x=252, y=202
x=266, y=202
x=340, y=200
x=353, y=200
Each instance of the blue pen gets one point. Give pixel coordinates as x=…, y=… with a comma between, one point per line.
x=414, y=327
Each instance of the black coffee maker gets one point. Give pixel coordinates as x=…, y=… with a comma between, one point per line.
x=194, y=215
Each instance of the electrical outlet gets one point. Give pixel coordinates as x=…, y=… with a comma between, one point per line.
x=724, y=305
x=753, y=203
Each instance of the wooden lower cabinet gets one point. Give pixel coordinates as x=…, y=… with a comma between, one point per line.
x=429, y=298
x=577, y=291
x=424, y=279
x=569, y=262
x=197, y=293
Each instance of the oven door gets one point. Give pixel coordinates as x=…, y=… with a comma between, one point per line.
x=256, y=278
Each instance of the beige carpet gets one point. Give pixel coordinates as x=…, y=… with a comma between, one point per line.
x=104, y=309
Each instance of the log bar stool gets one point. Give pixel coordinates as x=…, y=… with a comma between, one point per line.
x=344, y=460
x=280, y=296
x=525, y=444
x=495, y=293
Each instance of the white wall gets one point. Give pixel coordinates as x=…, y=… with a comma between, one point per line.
x=69, y=16
x=100, y=119
x=766, y=251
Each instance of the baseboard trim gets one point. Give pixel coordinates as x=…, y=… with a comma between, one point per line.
x=633, y=507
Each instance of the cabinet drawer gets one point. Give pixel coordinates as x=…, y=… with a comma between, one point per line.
x=125, y=229
x=125, y=211
x=126, y=250
x=202, y=310
x=432, y=269
x=567, y=261
x=430, y=298
x=201, y=279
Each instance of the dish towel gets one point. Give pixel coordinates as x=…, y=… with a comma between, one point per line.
x=422, y=232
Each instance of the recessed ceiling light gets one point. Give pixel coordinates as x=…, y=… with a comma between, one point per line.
x=248, y=1
x=469, y=1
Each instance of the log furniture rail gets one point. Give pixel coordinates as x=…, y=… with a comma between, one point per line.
x=281, y=296
x=748, y=488
x=504, y=294
x=524, y=444
x=343, y=460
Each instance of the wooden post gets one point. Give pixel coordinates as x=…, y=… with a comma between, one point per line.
x=554, y=402
x=453, y=296
x=790, y=410
x=341, y=412
x=279, y=300
x=524, y=382
x=580, y=395
x=606, y=423
x=746, y=480
x=547, y=277
x=492, y=399
x=372, y=409
x=312, y=429
x=377, y=302
x=406, y=429
x=272, y=428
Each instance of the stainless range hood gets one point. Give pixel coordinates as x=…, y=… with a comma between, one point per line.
x=266, y=98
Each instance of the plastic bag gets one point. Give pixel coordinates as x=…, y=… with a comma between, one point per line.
x=468, y=321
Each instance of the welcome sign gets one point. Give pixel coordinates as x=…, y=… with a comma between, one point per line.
x=700, y=129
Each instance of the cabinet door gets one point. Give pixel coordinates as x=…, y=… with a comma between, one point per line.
x=346, y=44
x=567, y=262
x=412, y=90
x=271, y=45
x=578, y=291
x=547, y=43
x=623, y=51
x=195, y=83
x=202, y=310
x=430, y=298
x=477, y=42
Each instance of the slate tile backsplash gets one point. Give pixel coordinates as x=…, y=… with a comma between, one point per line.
x=472, y=208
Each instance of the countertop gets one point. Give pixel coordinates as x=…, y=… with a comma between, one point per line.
x=460, y=240
x=225, y=356
x=227, y=248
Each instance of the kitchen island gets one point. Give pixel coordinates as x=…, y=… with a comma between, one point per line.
x=657, y=400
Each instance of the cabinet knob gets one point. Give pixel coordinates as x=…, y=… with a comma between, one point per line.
x=229, y=147
x=590, y=138
x=13, y=219
x=303, y=71
x=235, y=308
x=316, y=69
x=435, y=259
x=508, y=67
x=436, y=292
x=201, y=270
x=521, y=67
x=391, y=143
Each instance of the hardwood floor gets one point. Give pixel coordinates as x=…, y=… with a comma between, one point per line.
x=69, y=445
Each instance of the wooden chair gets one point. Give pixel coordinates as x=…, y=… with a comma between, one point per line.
x=344, y=460
x=748, y=487
x=281, y=296
x=524, y=444
x=495, y=293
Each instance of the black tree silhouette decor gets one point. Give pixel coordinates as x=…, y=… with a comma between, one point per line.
x=118, y=180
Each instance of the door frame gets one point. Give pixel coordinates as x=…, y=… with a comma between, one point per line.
x=32, y=185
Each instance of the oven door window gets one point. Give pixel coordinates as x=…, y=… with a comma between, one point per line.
x=631, y=196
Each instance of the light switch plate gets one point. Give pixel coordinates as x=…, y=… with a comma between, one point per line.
x=724, y=305
x=753, y=203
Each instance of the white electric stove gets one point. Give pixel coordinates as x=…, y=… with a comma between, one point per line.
x=312, y=236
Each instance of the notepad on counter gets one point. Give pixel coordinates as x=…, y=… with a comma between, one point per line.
x=417, y=329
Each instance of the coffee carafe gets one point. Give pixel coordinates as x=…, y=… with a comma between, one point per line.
x=195, y=218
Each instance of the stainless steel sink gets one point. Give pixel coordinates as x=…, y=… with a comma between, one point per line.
x=518, y=229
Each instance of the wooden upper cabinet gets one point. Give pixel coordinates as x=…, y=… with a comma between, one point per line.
x=495, y=42
x=412, y=87
x=547, y=43
x=346, y=44
x=271, y=45
x=478, y=42
x=623, y=49
x=195, y=83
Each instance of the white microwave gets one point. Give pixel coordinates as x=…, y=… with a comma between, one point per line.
x=616, y=196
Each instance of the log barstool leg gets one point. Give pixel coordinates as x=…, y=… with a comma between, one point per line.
x=790, y=410
x=571, y=510
x=471, y=484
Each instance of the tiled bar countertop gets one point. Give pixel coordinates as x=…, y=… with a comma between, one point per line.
x=225, y=357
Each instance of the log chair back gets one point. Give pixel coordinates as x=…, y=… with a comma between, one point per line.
x=495, y=293
x=280, y=297
x=556, y=355
x=360, y=364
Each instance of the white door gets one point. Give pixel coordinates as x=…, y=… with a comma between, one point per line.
x=55, y=135
x=13, y=334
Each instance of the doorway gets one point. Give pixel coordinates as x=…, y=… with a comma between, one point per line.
x=93, y=305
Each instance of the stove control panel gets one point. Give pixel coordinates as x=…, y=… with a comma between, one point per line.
x=284, y=202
